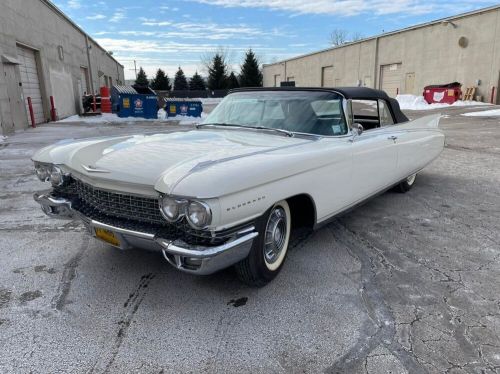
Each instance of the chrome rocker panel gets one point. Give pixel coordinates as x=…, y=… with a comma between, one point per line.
x=202, y=260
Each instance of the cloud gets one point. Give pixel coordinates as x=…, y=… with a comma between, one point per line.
x=157, y=46
x=74, y=4
x=343, y=7
x=156, y=23
x=117, y=16
x=96, y=16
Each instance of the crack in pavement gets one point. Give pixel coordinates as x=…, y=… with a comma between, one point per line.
x=69, y=273
x=469, y=149
x=380, y=328
x=131, y=305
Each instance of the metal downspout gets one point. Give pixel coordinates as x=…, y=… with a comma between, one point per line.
x=90, y=64
x=375, y=68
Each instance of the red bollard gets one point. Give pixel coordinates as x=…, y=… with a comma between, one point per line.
x=94, y=105
x=53, y=111
x=32, y=114
x=397, y=91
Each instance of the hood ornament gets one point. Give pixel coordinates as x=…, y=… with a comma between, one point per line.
x=93, y=169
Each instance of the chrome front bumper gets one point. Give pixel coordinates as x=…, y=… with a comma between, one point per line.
x=185, y=257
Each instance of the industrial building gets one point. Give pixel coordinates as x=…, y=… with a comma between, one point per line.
x=44, y=54
x=463, y=48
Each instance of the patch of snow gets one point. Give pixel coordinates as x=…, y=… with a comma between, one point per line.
x=2, y=138
x=211, y=100
x=186, y=120
x=484, y=113
x=412, y=102
x=113, y=118
x=103, y=118
x=162, y=114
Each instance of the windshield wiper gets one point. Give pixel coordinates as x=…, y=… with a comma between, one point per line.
x=286, y=132
x=219, y=124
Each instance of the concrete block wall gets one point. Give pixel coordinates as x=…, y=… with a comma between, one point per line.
x=61, y=50
x=432, y=52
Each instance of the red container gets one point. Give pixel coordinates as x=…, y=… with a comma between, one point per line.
x=444, y=93
x=105, y=91
x=105, y=100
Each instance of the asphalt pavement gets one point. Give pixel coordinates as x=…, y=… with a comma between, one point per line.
x=407, y=283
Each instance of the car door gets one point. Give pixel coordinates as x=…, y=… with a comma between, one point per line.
x=417, y=145
x=374, y=153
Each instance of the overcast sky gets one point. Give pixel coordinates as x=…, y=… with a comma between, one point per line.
x=167, y=34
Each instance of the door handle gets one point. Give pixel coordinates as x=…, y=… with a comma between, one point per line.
x=394, y=138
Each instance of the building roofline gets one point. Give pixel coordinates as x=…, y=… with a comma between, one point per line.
x=414, y=27
x=53, y=7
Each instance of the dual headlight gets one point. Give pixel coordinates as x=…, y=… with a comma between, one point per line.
x=49, y=172
x=197, y=213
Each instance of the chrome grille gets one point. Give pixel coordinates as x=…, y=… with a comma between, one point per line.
x=133, y=207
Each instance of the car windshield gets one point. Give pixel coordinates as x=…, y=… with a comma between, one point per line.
x=309, y=112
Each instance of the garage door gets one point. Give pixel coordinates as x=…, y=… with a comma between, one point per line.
x=327, y=76
x=390, y=78
x=30, y=81
x=85, y=80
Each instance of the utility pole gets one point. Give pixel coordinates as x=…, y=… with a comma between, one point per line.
x=135, y=69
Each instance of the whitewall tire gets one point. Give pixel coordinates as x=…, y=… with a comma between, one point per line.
x=269, y=249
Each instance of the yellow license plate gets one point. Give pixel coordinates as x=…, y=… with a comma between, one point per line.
x=107, y=236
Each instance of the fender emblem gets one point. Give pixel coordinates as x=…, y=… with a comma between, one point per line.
x=252, y=201
x=93, y=169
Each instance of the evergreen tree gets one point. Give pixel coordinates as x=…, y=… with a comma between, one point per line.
x=142, y=78
x=161, y=81
x=232, y=81
x=250, y=76
x=180, y=81
x=196, y=83
x=217, y=77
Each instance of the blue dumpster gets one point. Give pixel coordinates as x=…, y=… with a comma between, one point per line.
x=183, y=107
x=134, y=101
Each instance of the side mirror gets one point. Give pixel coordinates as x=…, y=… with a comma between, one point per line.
x=357, y=129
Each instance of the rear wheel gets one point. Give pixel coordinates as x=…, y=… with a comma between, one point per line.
x=407, y=184
x=269, y=249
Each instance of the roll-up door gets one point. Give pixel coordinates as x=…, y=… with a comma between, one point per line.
x=390, y=79
x=30, y=82
x=327, y=76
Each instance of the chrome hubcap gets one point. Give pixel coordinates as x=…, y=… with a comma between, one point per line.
x=411, y=179
x=275, y=235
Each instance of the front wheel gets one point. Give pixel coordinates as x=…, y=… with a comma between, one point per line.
x=269, y=249
x=407, y=184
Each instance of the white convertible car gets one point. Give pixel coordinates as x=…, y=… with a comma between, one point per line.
x=229, y=192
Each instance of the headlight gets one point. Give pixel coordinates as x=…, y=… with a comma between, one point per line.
x=42, y=171
x=199, y=215
x=56, y=176
x=170, y=208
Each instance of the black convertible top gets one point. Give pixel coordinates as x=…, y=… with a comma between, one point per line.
x=365, y=93
x=355, y=93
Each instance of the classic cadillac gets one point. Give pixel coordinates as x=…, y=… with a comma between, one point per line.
x=264, y=162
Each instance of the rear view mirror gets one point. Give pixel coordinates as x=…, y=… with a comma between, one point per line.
x=357, y=129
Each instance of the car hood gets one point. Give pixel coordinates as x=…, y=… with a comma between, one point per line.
x=146, y=159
